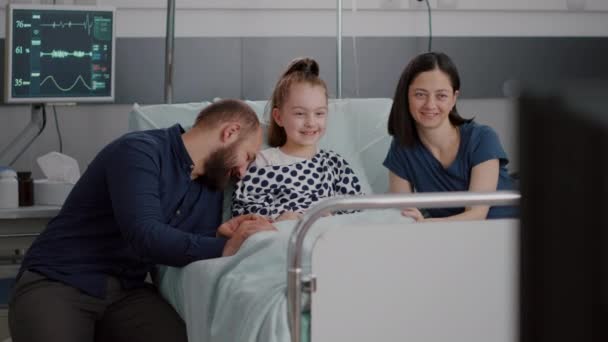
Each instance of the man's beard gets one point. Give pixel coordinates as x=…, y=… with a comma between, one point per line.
x=219, y=168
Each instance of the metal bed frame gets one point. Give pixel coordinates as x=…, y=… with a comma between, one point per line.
x=298, y=283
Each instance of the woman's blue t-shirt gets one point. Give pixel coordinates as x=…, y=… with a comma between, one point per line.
x=418, y=166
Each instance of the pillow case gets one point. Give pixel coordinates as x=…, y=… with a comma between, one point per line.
x=368, y=119
x=164, y=115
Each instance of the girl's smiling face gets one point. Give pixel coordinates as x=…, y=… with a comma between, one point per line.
x=303, y=115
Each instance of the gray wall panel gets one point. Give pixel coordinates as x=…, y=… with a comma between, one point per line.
x=140, y=70
x=379, y=61
x=264, y=59
x=486, y=63
x=249, y=67
x=206, y=68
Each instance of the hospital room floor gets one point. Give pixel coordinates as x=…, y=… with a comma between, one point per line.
x=4, y=334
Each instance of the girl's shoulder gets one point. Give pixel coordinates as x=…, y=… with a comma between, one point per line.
x=328, y=154
x=274, y=157
x=333, y=158
x=269, y=153
x=265, y=157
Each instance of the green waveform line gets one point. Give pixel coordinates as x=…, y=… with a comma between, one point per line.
x=79, y=78
x=65, y=54
x=86, y=25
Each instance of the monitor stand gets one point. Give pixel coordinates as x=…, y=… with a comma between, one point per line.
x=26, y=137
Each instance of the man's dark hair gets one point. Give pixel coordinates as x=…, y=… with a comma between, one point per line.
x=228, y=110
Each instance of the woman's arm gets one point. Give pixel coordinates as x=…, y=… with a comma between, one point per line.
x=397, y=184
x=484, y=178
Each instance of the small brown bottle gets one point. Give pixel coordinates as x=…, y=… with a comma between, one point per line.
x=26, y=189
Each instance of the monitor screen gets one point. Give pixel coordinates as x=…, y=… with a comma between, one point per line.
x=59, y=54
x=564, y=227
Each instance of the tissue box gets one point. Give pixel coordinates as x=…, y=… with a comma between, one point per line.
x=48, y=192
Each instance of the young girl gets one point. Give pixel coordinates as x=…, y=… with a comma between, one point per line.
x=434, y=149
x=294, y=173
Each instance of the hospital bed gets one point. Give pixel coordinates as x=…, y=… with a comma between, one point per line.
x=372, y=275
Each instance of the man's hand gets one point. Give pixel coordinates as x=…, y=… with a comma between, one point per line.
x=246, y=228
x=228, y=228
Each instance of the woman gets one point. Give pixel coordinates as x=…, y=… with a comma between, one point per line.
x=434, y=149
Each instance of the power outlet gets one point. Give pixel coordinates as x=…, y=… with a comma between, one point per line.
x=390, y=4
x=417, y=4
x=447, y=4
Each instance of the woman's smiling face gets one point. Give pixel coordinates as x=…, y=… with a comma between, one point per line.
x=431, y=98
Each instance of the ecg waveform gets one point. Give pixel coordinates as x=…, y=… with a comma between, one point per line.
x=65, y=54
x=86, y=25
x=79, y=78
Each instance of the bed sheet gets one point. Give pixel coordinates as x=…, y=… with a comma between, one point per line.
x=244, y=297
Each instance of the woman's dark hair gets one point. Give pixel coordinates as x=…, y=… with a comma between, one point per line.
x=401, y=124
x=303, y=69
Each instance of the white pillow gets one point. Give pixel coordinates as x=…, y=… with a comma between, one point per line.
x=164, y=115
x=260, y=109
x=368, y=120
x=356, y=129
x=341, y=138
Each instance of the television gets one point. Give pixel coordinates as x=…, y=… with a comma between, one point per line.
x=564, y=206
x=59, y=53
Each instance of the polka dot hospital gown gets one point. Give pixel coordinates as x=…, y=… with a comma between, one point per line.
x=273, y=189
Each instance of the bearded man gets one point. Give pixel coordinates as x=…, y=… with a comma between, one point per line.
x=148, y=198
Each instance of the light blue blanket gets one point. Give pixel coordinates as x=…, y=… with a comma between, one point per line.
x=243, y=298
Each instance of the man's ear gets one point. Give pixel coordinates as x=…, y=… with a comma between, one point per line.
x=230, y=132
x=277, y=117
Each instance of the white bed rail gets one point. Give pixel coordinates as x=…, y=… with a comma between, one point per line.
x=296, y=281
